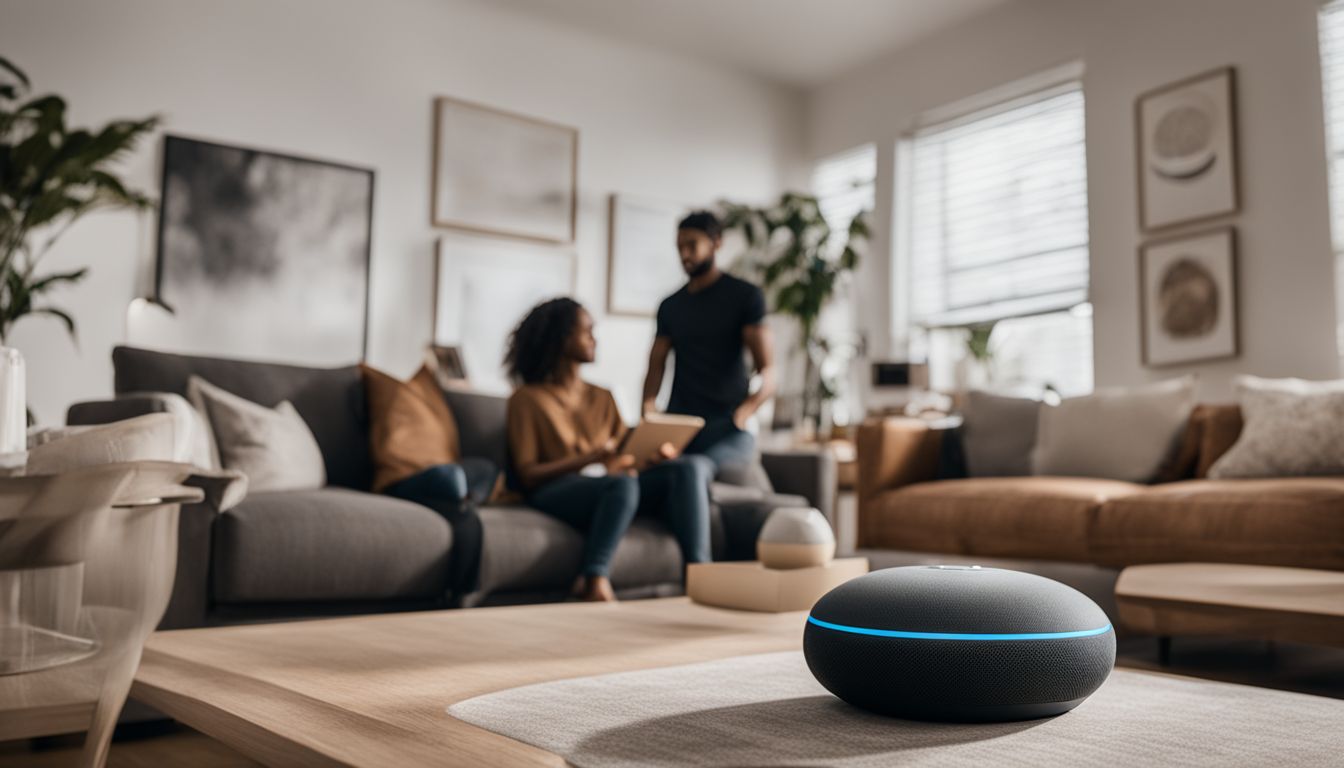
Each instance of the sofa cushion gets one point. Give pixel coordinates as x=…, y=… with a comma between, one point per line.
x=999, y=434
x=482, y=421
x=1122, y=433
x=524, y=550
x=273, y=447
x=330, y=544
x=1030, y=517
x=1287, y=521
x=410, y=425
x=1294, y=428
x=330, y=400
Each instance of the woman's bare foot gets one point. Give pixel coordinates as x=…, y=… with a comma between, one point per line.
x=597, y=589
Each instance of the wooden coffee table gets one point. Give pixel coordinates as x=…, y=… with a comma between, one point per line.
x=1286, y=604
x=372, y=690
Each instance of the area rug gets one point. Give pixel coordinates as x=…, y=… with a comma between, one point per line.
x=767, y=710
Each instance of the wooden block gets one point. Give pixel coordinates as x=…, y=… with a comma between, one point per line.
x=750, y=586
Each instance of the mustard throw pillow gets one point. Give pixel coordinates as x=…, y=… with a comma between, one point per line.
x=410, y=426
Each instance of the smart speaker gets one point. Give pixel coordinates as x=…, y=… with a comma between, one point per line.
x=959, y=643
x=795, y=537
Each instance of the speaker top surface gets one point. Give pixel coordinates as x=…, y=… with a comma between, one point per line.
x=975, y=602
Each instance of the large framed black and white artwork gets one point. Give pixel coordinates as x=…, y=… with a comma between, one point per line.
x=263, y=255
x=1187, y=150
x=1188, y=289
x=483, y=287
x=500, y=173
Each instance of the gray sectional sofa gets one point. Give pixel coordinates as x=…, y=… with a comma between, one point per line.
x=341, y=549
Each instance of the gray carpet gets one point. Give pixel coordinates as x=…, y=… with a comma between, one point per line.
x=767, y=710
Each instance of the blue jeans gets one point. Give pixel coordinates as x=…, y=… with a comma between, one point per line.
x=452, y=490
x=603, y=508
x=728, y=448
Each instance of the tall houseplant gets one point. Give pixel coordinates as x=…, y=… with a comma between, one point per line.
x=51, y=175
x=800, y=261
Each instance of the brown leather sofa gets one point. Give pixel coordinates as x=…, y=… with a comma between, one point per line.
x=904, y=505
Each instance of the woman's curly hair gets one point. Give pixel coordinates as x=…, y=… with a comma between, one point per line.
x=537, y=345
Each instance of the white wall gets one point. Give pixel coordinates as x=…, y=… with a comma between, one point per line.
x=1128, y=47
x=353, y=80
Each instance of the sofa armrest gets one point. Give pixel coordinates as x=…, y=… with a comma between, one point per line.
x=894, y=452
x=806, y=472
x=95, y=412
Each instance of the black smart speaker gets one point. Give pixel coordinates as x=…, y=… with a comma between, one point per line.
x=959, y=643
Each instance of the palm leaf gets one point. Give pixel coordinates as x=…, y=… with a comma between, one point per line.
x=59, y=314
x=43, y=284
x=18, y=74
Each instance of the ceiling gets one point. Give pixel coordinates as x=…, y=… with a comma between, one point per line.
x=797, y=42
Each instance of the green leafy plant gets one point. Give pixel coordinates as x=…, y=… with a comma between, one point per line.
x=799, y=261
x=977, y=341
x=51, y=175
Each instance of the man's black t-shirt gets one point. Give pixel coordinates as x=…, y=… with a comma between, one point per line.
x=705, y=328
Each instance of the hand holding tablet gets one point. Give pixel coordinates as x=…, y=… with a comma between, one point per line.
x=658, y=430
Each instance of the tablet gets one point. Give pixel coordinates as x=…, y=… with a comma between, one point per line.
x=659, y=428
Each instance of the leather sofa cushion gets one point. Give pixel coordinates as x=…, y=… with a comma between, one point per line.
x=1282, y=521
x=329, y=544
x=1027, y=517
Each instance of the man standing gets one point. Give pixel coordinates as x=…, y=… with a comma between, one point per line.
x=708, y=324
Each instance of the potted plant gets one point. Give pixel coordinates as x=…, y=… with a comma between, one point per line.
x=51, y=175
x=800, y=261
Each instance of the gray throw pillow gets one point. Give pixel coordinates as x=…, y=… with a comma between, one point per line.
x=1293, y=428
x=998, y=434
x=273, y=447
x=1120, y=433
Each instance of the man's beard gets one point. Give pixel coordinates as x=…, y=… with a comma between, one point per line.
x=701, y=268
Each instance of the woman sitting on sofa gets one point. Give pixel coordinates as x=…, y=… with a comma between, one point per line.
x=563, y=437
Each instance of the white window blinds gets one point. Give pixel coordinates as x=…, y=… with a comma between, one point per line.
x=844, y=186
x=1332, y=78
x=998, y=211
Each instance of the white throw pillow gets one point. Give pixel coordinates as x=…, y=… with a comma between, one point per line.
x=273, y=447
x=1121, y=433
x=1292, y=428
x=192, y=441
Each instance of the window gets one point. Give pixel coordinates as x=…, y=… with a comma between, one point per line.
x=1332, y=78
x=997, y=234
x=844, y=185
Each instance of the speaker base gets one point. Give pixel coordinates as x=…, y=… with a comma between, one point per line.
x=999, y=713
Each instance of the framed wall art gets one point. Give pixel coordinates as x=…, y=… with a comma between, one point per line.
x=499, y=173
x=1188, y=295
x=643, y=267
x=262, y=254
x=1187, y=150
x=482, y=289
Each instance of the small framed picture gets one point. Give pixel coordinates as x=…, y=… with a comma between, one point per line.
x=1187, y=150
x=1188, y=294
x=446, y=361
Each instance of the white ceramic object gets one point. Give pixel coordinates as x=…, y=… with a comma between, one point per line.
x=795, y=537
x=13, y=409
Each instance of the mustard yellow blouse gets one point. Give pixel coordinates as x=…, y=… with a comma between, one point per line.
x=544, y=428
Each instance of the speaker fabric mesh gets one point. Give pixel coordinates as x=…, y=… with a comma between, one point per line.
x=965, y=679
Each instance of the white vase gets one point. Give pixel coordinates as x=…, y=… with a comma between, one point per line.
x=13, y=409
x=795, y=537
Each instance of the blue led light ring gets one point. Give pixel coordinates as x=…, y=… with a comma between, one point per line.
x=958, y=635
